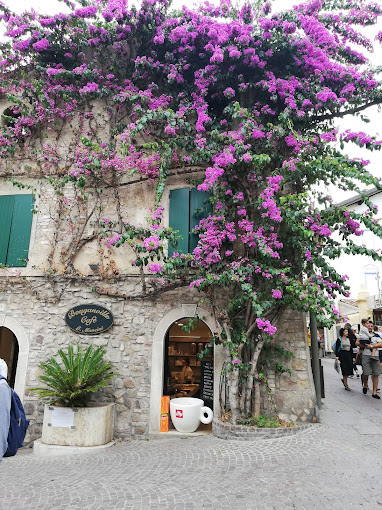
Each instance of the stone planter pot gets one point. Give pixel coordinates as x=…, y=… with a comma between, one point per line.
x=93, y=426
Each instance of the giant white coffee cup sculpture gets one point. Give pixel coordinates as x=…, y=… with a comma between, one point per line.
x=187, y=413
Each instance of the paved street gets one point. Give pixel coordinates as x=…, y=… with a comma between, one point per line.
x=335, y=465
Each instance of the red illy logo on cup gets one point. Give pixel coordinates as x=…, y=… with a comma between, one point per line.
x=178, y=413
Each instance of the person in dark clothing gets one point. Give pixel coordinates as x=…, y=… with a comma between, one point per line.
x=344, y=353
x=354, y=349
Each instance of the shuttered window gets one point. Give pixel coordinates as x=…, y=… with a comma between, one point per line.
x=15, y=229
x=187, y=207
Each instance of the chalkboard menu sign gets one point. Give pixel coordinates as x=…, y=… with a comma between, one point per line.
x=89, y=319
x=207, y=383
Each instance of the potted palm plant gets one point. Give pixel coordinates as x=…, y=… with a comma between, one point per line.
x=71, y=418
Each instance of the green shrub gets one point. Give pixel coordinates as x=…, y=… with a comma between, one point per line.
x=72, y=383
x=264, y=422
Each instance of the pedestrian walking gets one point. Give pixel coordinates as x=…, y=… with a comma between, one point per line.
x=379, y=349
x=370, y=363
x=378, y=335
x=363, y=339
x=345, y=355
x=5, y=409
x=354, y=349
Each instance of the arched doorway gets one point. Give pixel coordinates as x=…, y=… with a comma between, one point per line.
x=158, y=359
x=186, y=374
x=20, y=370
x=9, y=351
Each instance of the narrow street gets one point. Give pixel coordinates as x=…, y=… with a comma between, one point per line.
x=330, y=466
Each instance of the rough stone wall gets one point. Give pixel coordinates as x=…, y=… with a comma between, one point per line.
x=294, y=394
x=129, y=348
x=128, y=344
x=290, y=396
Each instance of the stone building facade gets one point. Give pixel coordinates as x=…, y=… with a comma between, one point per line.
x=35, y=297
x=135, y=346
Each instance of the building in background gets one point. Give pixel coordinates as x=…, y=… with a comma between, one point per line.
x=365, y=274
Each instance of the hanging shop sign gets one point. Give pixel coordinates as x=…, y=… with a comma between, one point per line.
x=89, y=319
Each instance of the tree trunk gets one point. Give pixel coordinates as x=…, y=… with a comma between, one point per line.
x=233, y=390
x=234, y=394
x=248, y=394
x=254, y=374
x=257, y=407
x=243, y=355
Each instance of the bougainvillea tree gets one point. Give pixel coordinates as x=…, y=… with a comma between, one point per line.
x=248, y=97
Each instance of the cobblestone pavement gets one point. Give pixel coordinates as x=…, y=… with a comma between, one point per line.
x=334, y=465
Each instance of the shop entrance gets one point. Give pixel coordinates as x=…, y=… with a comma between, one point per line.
x=186, y=373
x=9, y=351
x=160, y=347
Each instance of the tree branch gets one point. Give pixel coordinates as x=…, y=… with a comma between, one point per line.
x=340, y=115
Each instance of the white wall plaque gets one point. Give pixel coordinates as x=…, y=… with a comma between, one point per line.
x=62, y=417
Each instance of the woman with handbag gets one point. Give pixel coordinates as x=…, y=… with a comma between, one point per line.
x=353, y=347
x=345, y=355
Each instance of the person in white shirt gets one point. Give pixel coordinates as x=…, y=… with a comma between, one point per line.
x=378, y=334
x=370, y=364
x=187, y=373
x=5, y=408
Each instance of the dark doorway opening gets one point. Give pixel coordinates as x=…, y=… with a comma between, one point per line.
x=186, y=374
x=9, y=351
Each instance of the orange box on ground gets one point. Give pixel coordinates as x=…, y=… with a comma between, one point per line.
x=164, y=413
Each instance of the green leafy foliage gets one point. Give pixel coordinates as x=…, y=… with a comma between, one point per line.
x=264, y=421
x=71, y=383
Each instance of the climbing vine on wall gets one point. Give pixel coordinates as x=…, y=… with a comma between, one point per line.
x=109, y=95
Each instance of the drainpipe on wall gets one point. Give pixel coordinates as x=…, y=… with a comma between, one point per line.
x=315, y=361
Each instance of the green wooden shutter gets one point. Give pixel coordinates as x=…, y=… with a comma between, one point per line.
x=20, y=231
x=200, y=208
x=179, y=218
x=6, y=212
